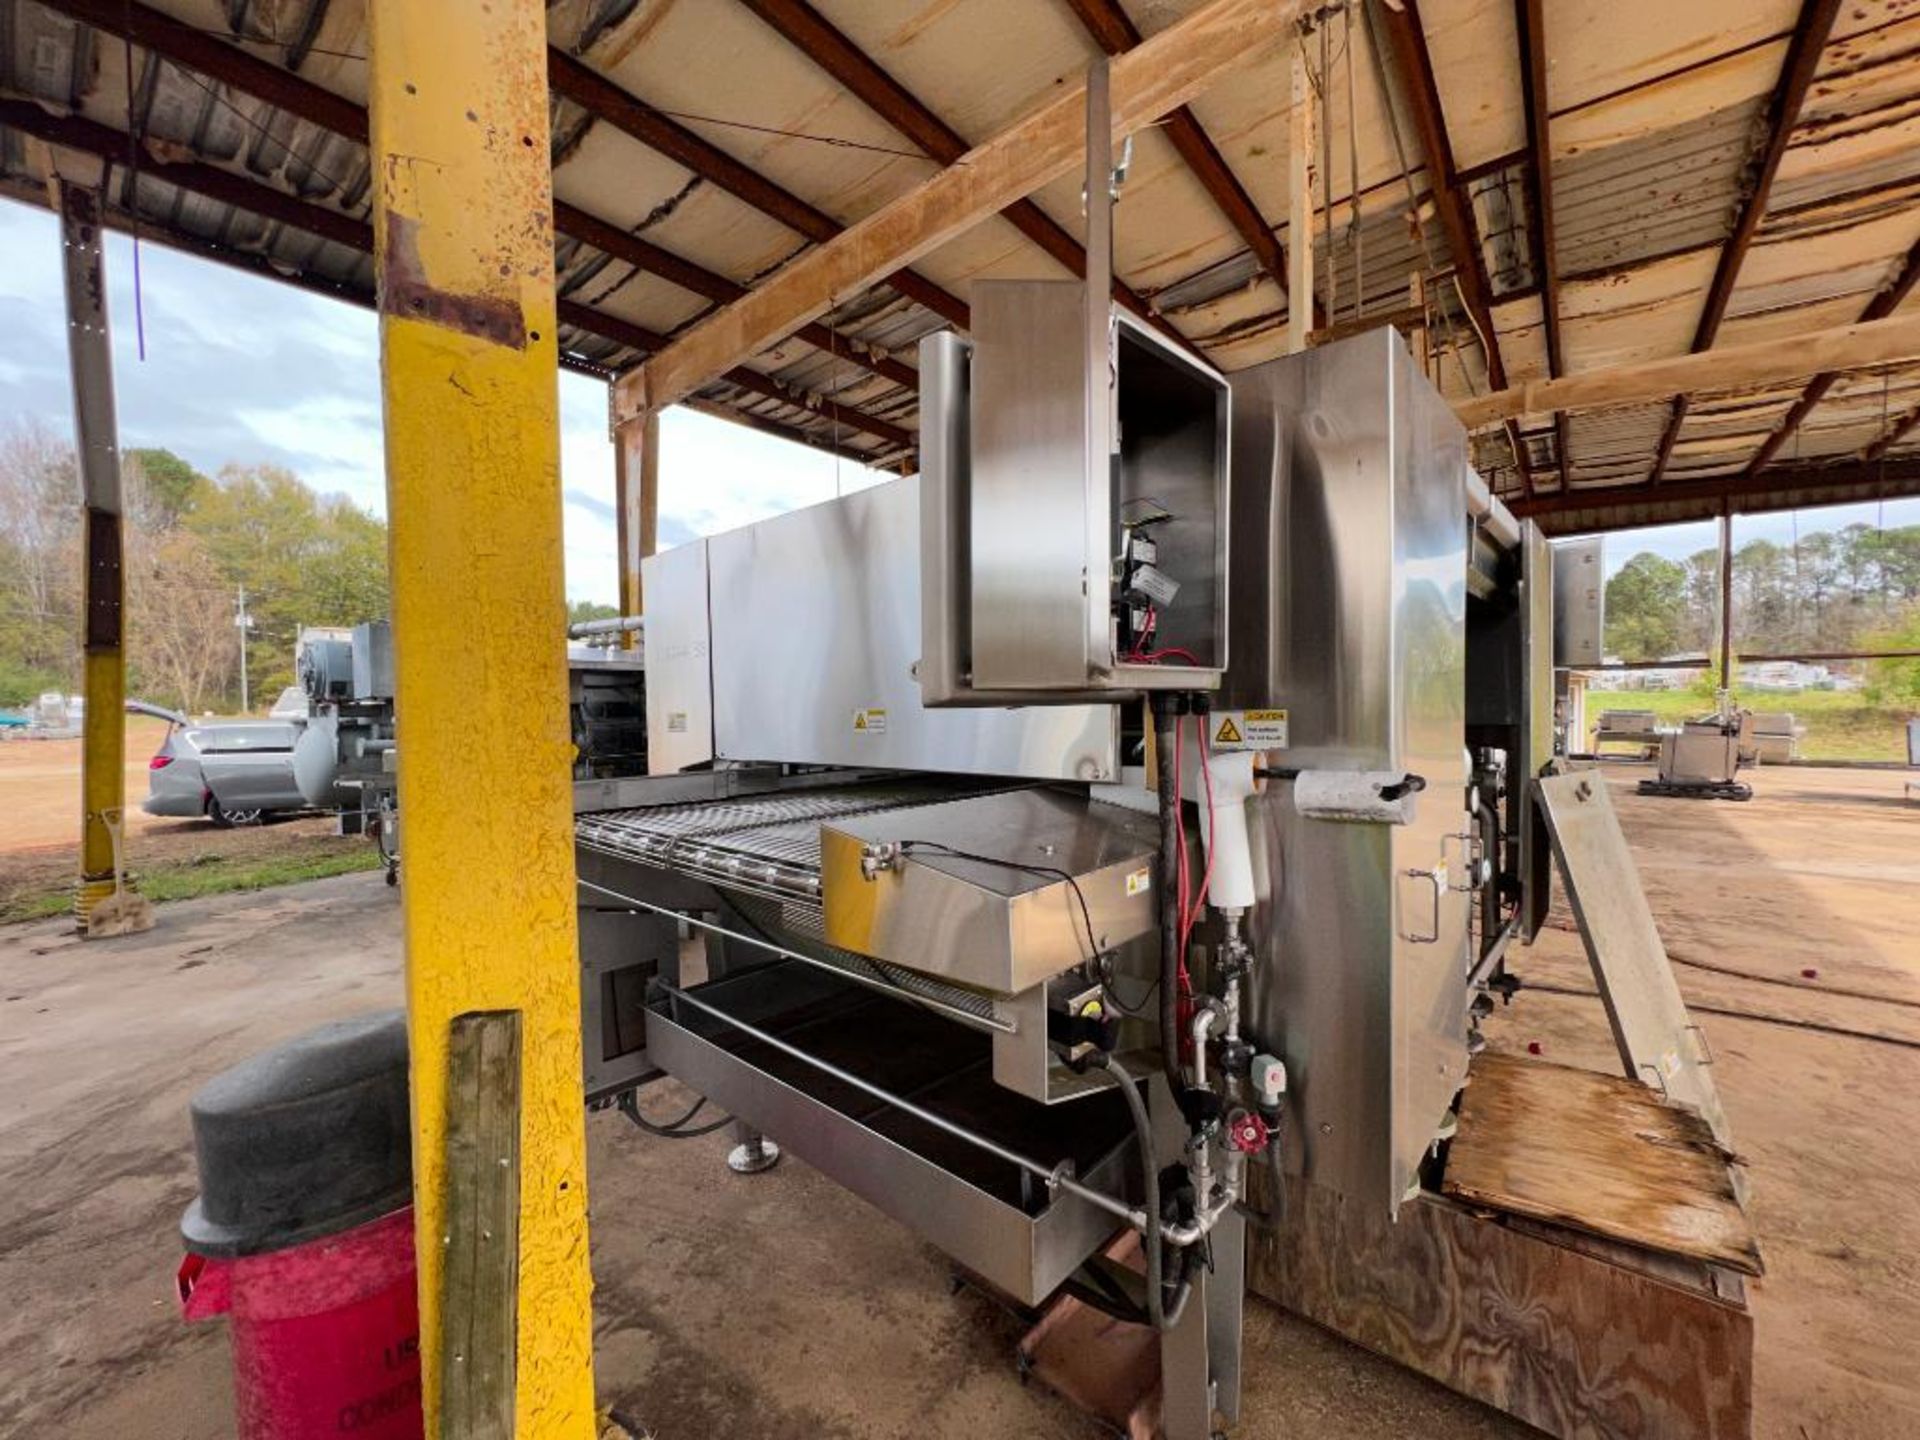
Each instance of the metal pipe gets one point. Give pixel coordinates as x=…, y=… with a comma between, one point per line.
x=1487, y=508
x=952, y=1012
x=1056, y=1177
x=616, y=625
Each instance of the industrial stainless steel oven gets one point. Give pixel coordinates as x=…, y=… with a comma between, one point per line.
x=1009, y=862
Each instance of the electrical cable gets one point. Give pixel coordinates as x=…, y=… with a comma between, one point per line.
x=1158, y=1314
x=1094, y=948
x=628, y=1104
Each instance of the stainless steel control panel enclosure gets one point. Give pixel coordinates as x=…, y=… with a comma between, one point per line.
x=1077, y=525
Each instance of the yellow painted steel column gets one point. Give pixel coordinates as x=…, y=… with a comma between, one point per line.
x=103, y=747
x=636, y=483
x=469, y=373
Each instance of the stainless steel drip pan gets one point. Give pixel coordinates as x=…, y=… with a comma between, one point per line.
x=985, y=1212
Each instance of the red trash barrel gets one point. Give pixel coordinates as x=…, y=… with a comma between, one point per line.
x=303, y=1234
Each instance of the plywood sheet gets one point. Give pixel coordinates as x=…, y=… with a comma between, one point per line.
x=1597, y=1153
x=1559, y=1337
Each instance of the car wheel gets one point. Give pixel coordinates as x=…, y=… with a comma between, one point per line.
x=226, y=819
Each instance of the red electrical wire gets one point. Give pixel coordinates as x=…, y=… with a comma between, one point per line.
x=1154, y=657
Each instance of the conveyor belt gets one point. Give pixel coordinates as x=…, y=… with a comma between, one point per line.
x=766, y=848
x=765, y=845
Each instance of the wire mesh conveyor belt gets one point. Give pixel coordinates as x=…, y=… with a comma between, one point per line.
x=761, y=844
x=766, y=848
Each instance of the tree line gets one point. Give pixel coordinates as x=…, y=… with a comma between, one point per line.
x=190, y=542
x=1853, y=589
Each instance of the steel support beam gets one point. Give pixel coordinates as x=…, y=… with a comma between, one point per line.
x=1160, y=75
x=228, y=64
x=72, y=132
x=815, y=37
x=606, y=101
x=1413, y=69
x=1783, y=112
x=103, y=745
x=1899, y=431
x=1882, y=305
x=469, y=362
x=1530, y=21
x=1739, y=491
x=1116, y=34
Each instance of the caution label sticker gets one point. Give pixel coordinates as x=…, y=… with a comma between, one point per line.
x=1139, y=882
x=1249, y=730
x=871, y=720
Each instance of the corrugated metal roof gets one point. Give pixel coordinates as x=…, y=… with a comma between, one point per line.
x=1657, y=113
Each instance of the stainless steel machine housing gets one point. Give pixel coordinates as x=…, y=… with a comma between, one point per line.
x=1351, y=544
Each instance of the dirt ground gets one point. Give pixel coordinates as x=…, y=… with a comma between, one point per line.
x=40, y=788
x=780, y=1306
x=40, y=820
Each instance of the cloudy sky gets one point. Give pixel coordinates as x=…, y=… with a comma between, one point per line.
x=241, y=370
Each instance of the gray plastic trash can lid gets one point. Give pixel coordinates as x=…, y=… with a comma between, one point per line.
x=305, y=1140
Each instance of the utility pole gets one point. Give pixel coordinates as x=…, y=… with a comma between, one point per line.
x=243, y=622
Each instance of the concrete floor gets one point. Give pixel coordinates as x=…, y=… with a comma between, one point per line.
x=777, y=1305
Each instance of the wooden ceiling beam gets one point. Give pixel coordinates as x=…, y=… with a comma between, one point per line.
x=1412, y=66
x=1882, y=305
x=814, y=36
x=1160, y=75
x=1863, y=345
x=1116, y=34
x=1783, y=113
x=89, y=137
x=1530, y=22
x=228, y=64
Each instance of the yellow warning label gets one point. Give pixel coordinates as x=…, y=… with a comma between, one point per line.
x=870, y=721
x=1250, y=729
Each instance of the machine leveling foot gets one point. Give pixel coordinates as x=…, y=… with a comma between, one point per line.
x=753, y=1154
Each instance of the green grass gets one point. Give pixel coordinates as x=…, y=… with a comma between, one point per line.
x=204, y=875
x=1841, y=724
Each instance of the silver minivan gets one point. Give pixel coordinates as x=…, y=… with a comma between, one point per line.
x=231, y=771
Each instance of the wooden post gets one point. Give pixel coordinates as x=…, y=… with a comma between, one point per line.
x=463, y=237
x=636, y=483
x=1301, y=177
x=480, y=1285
